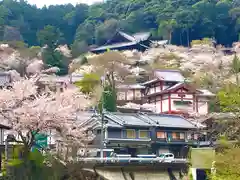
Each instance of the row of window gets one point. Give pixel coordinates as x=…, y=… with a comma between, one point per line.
x=129, y=95
x=143, y=134
x=173, y=135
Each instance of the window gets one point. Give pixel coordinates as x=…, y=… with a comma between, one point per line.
x=180, y=103
x=174, y=135
x=178, y=135
x=170, y=155
x=130, y=133
x=121, y=95
x=182, y=135
x=138, y=94
x=143, y=134
x=161, y=135
x=195, y=136
x=152, y=90
x=130, y=95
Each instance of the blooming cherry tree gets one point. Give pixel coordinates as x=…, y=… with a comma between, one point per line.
x=29, y=111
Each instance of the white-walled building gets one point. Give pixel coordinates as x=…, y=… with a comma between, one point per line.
x=169, y=93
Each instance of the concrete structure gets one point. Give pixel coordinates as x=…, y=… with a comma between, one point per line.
x=140, y=172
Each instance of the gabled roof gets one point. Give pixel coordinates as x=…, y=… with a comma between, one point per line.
x=143, y=36
x=169, y=75
x=176, y=87
x=127, y=36
x=166, y=75
x=129, y=40
x=181, y=85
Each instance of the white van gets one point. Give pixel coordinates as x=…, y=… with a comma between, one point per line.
x=166, y=157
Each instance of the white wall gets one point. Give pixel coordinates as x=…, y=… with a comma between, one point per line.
x=152, y=90
x=203, y=105
x=158, y=88
x=165, y=105
x=203, y=108
x=158, y=107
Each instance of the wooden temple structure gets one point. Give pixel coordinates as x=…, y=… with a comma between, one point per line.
x=123, y=41
x=169, y=93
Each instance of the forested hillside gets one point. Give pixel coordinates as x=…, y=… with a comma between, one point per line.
x=180, y=20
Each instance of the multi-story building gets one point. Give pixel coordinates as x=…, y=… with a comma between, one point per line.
x=170, y=94
x=146, y=133
x=130, y=93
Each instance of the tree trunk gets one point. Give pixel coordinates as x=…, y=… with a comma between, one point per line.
x=181, y=38
x=188, y=37
x=237, y=79
x=170, y=37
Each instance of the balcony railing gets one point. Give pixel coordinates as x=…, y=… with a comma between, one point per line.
x=110, y=160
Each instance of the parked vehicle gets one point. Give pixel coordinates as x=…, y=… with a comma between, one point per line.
x=106, y=153
x=166, y=157
x=146, y=157
x=122, y=157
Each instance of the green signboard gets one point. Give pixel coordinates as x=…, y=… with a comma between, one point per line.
x=40, y=141
x=202, y=158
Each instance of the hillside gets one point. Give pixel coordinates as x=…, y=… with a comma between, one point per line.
x=82, y=25
x=204, y=65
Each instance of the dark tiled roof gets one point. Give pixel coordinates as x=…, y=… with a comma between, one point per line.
x=117, y=45
x=128, y=119
x=147, y=120
x=133, y=40
x=166, y=75
x=169, y=75
x=121, y=120
x=164, y=120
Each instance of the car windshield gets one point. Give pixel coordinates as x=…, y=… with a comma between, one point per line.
x=161, y=155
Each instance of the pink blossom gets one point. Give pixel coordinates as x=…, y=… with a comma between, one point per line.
x=26, y=110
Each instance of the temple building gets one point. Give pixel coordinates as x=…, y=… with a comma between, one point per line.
x=169, y=93
x=123, y=41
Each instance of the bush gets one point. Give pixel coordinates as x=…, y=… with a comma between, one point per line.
x=204, y=41
x=79, y=48
x=17, y=44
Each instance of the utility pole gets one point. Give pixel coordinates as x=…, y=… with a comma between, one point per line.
x=102, y=120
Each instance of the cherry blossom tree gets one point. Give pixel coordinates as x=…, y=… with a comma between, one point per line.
x=148, y=107
x=29, y=111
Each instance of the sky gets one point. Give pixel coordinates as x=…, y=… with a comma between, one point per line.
x=41, y=3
